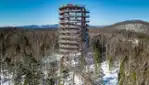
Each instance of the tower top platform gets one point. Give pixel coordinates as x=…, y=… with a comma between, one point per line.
x=71, y=6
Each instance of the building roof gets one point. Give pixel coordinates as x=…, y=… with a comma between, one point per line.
x=71, y=6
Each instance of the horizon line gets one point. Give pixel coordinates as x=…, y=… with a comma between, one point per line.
x=89, y=24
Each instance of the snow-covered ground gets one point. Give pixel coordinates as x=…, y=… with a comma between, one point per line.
x=110, y=77
x=6, y=79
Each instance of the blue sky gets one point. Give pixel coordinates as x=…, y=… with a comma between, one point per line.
x=41, y=12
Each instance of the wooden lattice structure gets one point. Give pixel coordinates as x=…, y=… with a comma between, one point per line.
x=73, y=28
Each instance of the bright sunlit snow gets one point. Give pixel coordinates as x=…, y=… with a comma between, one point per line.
x=110, y=77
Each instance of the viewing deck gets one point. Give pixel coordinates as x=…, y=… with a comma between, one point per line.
x=68, y=46
x=68, y=51
x=72, y=11
x=71, y=6
x=68, y=41
x=69, y=36
x=76, y=27
x=69, y=31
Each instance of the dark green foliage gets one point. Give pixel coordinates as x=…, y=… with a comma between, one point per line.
x=82, y=63
x=134, y=76
x=121, y=76
x=142, y=36
x=110, y=62
x=65, y=72
x=97, y=55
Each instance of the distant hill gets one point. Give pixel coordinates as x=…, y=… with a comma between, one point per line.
x=39, y=26
x=96, y=26
x=55, y=26
x=49, y=26
x=129, y=25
